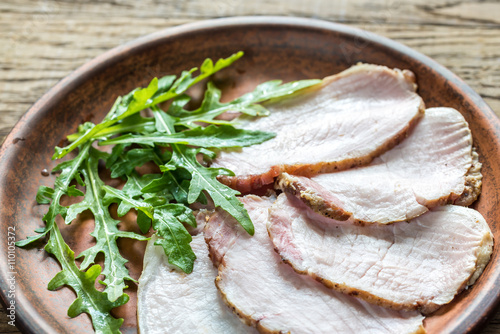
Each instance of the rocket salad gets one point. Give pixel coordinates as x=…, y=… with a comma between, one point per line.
x=173, y=139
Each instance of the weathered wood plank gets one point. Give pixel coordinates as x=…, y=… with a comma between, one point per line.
x=43, y=41
x=33, y=66
x=437, y=12
x=4, y=326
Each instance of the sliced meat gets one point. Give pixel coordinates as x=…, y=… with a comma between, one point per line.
x=345, y=121
x=431, y=167
x=421, y=265
x=170, y=301
x=269, y=295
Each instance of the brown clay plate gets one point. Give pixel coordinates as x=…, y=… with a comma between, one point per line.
x=275, y=47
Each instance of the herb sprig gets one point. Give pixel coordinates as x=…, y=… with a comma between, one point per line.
x=173, y=140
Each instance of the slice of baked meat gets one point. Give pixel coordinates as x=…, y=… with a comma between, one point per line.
x=431, y=167
x=345, y=121
x=170, y=301
x=270, y=296
x=421, y=264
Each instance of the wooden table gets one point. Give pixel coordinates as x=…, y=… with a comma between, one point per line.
x=43, y=41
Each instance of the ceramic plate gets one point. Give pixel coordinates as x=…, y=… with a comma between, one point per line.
x=284, y=48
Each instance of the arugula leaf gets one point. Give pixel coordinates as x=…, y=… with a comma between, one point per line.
x=69, y=171
x=132, y=124
x=205, y=179
x=144, y=222
x=116, y=154
x=82, y=128
x=167, y=220
x=211, y=106
x=133, y=158
x=170, y=183
x=135, y=184
x=202, y=178
x=174, y=238
x=133, y=190
x=270, y=90
x=126, y=203
x=211, y=136
x=105, y=232
x=144, y=98
x=89, y=300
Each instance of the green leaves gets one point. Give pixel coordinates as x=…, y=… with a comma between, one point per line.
x=202, y=178
x=247, y=104
x=174, y=237
x=212, y=136
x=131, y=159
x=105, y=232
x=167, y=220
x=171, y=142
x=89, y=300
x=157, y=91
x=70, y=170
x=205, y=179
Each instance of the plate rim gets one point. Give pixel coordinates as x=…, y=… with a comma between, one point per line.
x=24, y=319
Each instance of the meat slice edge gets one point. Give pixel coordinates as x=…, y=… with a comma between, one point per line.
x=346, y=121
x=435, y=165
x=421, y=265
x=170, y=301
x=269, y=295
x=473, y=182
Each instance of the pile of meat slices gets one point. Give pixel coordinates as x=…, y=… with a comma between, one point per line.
x=370, y=231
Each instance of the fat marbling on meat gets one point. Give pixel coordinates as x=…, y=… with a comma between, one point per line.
x=429, y=168
x=345, y=121
x=270, y=296
x=421, y=264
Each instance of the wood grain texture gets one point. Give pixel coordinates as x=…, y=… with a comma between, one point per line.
x=43, y=41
